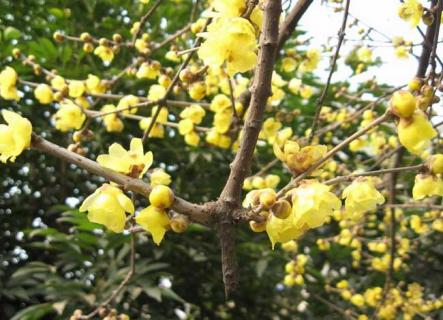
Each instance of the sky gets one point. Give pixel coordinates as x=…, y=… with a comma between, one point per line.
x=323, y=23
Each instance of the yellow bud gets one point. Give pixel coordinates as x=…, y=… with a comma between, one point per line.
x=179, y=223
x=281, y=209
x=58, y=36
x=436, y=163
x=403, y=103
x=86, y=37
x=88, y=47
x=267, y=198
x=257, y=226
x=415, y=84
x=161, y=197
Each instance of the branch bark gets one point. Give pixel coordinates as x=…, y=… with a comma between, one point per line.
x=261, y=90
x=428, y=44
x=291, y=21
x=197, y=213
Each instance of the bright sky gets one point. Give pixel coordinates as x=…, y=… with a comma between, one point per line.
x=323, y=23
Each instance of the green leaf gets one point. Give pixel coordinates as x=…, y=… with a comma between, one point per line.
x=34, y=312
x=11, y=33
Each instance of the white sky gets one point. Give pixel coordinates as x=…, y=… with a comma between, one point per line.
x=322, y=23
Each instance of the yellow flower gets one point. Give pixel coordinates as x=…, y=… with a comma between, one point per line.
x=436, y=163
x=313, y=203
x=220, y=103
x=299, y=160
x=69, y=116
x=311, y=60
x=8, y=80
x=417, y=225
x=107, y=206
x=412, y=11
x=76, y=88
x=58, y=82
x=361, y=196
x=364, y=54
x=289, y=64
x=294, y=85
x=403, y=103
x=104, y=53
x=15, y=136
x=132, y=162
x=112, y=122
x=142, y=46
x=427, y=186
x=215, y=138
x=283, y=230
x=156, y=92
x=194, y=112
x=144, y=1
x=270, y=129
x=43, y=93
x=415, y=133
x=197, y=90
x=192, y=139
x=148, y=71
x=126, y=102
x=306, y=92
x=94, y=85
x=358, y=300
x=222, y=121
x=230, y=40
x=235, y=8
x=157, y=131
x=162, y=117
x=155, y=221
x=160, y=177
x=185, y=126
x=272, y=181
x=401, y=52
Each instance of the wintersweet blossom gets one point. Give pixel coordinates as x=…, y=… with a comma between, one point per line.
x=15, y=136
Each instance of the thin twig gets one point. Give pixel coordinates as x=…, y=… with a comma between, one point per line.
x=320, y=101
x=122, y=285
x=144, y=19
x=172, y=84
x=374, y=173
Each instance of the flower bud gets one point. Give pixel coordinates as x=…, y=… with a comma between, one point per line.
x=257, y=226
x=179, y=223
x=161, y=197
x=403, y=104
x=281, y=209
x=267, y=198
x=86, y=37
x=58, y=36
x=435, y=163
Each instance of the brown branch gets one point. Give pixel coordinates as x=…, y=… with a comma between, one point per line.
x=320, y=101
x=174, y=81
x=333, y=151
x=291, y=21
x=197, y=213
x=427, y=206
x=428, y=44
x=144, y=19
x=390, y=171
x=261, y=90
x=172, y=37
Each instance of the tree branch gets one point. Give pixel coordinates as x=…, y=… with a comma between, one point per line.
x=197, y=213
x=261, y=90
x=320, y=101
x=291, y=21
x=428, y=44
